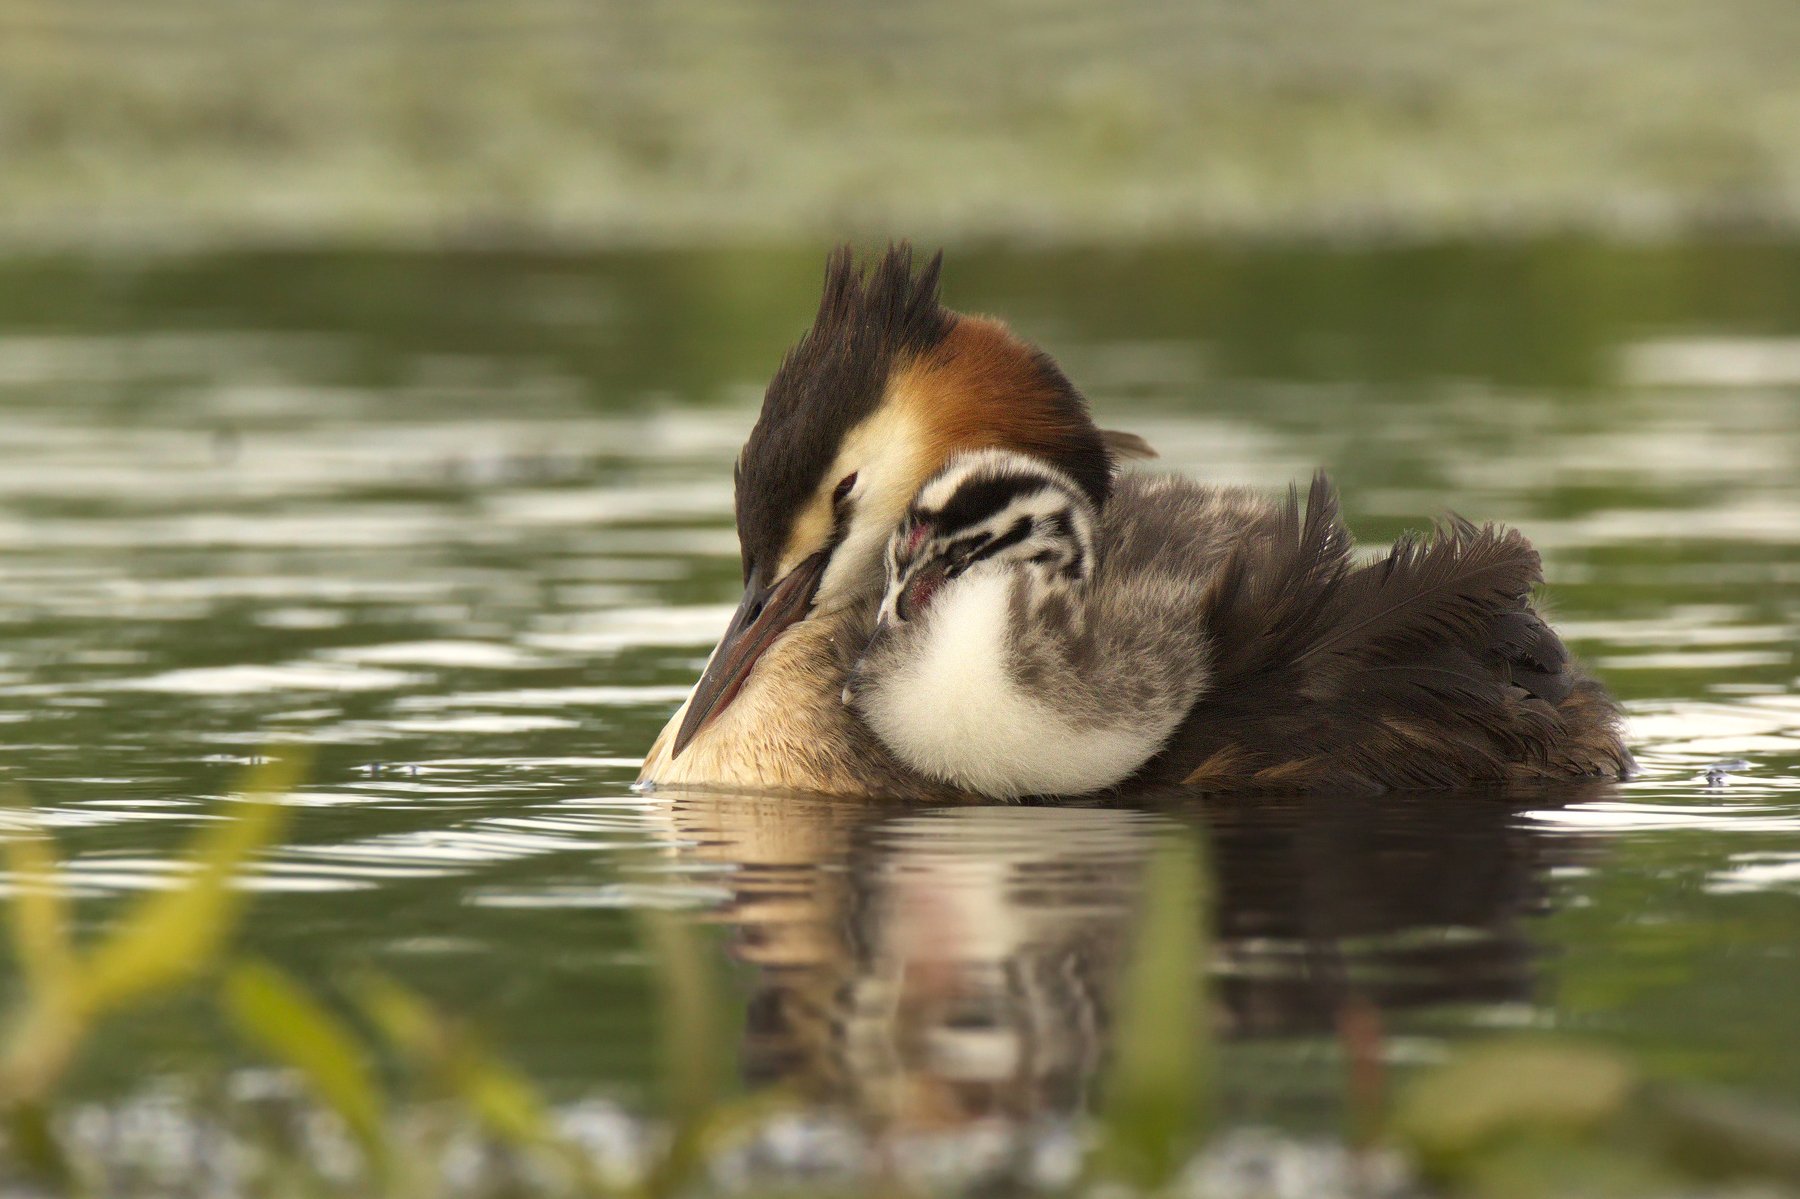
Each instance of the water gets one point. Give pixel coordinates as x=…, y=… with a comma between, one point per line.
x=463, y=525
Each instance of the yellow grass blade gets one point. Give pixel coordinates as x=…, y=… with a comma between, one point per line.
x=37, y=909
x=172, y=935
x=270, y=1010
x=1154, y=1097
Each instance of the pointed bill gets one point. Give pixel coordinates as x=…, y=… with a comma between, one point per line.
x=762, y=617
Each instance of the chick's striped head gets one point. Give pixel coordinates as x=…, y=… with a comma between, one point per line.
x=987, y=511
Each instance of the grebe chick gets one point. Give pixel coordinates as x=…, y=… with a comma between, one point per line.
x=1006, y=659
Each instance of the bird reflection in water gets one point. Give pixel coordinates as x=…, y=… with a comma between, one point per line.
x=942, y=968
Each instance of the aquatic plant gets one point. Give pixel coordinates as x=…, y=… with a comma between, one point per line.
x=166, y=939
x=1531, y=1117
x=1157, y=1090
x=181, y=935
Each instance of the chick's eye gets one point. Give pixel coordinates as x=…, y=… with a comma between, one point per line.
x=842, y=491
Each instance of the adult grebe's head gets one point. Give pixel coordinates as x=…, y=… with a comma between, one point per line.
x=884, y=389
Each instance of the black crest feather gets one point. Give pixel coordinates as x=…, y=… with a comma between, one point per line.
x=868, y=321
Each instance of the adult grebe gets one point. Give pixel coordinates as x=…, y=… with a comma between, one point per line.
x=1282, y=665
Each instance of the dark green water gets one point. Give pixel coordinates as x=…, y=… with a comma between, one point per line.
x=463, y=524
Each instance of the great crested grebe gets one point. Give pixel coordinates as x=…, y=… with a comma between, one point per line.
x=1137, y=629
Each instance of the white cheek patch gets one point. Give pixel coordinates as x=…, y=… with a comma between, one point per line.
x=953, y=712
x=884, y=452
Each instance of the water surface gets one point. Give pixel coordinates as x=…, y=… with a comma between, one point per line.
x=462, y=523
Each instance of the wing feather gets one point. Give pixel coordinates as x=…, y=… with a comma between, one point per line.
x=1425, y=668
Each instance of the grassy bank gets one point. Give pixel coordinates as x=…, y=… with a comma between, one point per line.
x=197, y=121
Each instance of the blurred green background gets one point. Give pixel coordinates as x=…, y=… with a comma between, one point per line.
x=463, y=122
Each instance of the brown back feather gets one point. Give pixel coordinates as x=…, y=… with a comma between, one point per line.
x=1426, y=668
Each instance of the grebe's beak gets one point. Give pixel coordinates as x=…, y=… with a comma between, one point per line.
x=762, y=616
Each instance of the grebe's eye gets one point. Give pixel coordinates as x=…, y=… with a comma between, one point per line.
x=842, y=491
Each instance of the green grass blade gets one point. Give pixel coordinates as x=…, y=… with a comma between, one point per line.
x=1156, y=1091
x=172, y=935
x=48, y=1023
x=508, y=1105
x=460, y=1069
x=287, y=1023
x=161, y=941
x=693, y=1041
x=696, y=1056
x=32, y=1142
x=39, y=914
x=1509, y=1090
x=503, y=1101
x=404, y=1020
